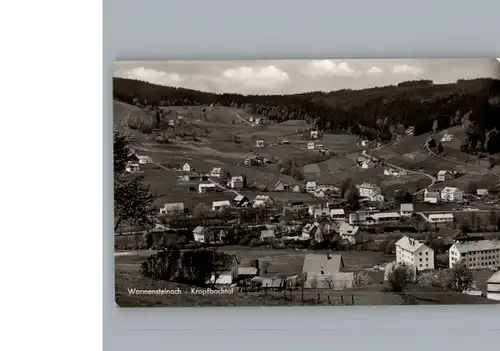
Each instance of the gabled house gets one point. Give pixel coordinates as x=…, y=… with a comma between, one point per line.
x=415, y=254
x=260, y=143
x=219, y=205
x=217, y=172
x=206, y=187
x=451, y=194
x=263, y=201
x=313, y=231
x=310, y=146
x=314, y=134
x=338, y=214
x=267, y=234
x=431, y=196
x=406, y=210
x=444, y=175
x=241, y=201
x=200, y=234
x=132, y=167
x=186, y=167
x=310, y=186
x=144, y=159
x=280, y=186
x=236, y=182
x=348, y=232
x=368, y=190
x=172, y=209
x=298, y=188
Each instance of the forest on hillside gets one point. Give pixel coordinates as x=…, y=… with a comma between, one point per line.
x=376, y=113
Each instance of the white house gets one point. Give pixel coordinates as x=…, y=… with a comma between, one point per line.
x=206, y=187
x=412, y=252
x=338, y=214
x=200, y=234
x=441, y=217
x=482, y=192
x=324, y=271
x=267, y=233
x=481, y=254
x=365, y=143
x=368, y=190
x=217, y=172
x=314, y=134
x=144, y=159
x=310, y=186
x=447, y=138
x=132, y=167
x=310, y=146
x=236, y=182
x=348, y=232
x=218, y=205
x=366, y=164
x=186, y=167
x=431, y=196
x=406, y=210
x=493, y=287
x=312, y=231
x=260, y=143
x=451, y=194
x=263, y=201
x=444, y=175
x=172, y=209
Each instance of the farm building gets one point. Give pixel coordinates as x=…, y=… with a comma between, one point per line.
x=310, y=186
x=236, y=182
x=431, y=196
x=493, y=287
x=298, y=188
x=247, y=272
x=314, y=134
x=260, y=143
x=172, y=209
x=481, y=254
x=227, y=277
x=263, y=201
x=451, y=194
x=219, y=205
x=144, y=159
x=321, y=213
x=323, y=271
x=348, y=232
x=310, y=146
x=186, y=167
x=412, y=252
x=406, y=210
x=132, y=167
x=206, y=187
x=441, y=217
x=444, y=175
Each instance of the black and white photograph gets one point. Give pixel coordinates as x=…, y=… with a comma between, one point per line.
x=306, y=182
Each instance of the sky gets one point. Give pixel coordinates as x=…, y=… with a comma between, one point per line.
x=297, y=76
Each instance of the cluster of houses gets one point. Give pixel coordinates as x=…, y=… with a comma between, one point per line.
x=133, y=166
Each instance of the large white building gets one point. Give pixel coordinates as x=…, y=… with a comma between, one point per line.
x=441, y=218
x=413, y=253
x=479, y=254
x=493, y=287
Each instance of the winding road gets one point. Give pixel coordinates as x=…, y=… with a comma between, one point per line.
x=432, y=178
x=426, y=145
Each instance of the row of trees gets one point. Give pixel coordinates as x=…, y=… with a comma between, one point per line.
x=377, y=113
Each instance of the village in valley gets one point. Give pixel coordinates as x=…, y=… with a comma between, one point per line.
x=292, y=211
